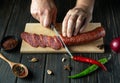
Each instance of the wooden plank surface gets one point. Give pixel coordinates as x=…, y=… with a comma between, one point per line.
x=38, y=29
x=5, y=12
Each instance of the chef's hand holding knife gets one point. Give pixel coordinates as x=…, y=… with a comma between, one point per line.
x=73, y=23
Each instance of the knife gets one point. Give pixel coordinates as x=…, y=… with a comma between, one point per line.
x=60, y=39
x=77, y=58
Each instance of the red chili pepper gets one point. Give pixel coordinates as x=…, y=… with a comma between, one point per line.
x=88, y=60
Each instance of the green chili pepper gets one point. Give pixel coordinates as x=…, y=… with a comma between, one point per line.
x=90, y=69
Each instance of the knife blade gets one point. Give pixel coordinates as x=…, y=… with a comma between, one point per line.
x=60, y=39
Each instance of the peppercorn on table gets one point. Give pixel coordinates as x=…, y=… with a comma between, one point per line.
x=58, y=67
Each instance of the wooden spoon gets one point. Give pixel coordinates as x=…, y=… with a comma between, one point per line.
x=18, y=69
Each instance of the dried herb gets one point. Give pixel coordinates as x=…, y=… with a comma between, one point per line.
x=18, y=70
x=67, y=67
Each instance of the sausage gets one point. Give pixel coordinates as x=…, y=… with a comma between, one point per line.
x=41, y=40
x=85, y=37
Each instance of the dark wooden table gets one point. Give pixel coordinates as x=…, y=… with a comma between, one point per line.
x=14, y=14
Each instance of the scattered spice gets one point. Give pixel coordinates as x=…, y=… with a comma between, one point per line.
x=63, y=59
x=101, y=46
x=49, y=72
x=9, y=43
x=18, y=70
x=67, y=67
x=34, y=60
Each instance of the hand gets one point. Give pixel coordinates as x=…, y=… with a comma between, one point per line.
x=44, y=11
x=75, y=21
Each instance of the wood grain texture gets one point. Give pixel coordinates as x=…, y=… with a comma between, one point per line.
x=38, y=29
x=5, y=12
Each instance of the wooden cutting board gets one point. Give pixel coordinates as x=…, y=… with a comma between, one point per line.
x=38, y=29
